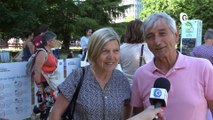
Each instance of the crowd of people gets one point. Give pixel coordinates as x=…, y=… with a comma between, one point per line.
x=147, y=53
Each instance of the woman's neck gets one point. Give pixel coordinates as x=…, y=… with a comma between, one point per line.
x=48, y=49
x=101, y=76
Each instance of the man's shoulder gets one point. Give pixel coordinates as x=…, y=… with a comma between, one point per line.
x=196, y=60
x=201, y=47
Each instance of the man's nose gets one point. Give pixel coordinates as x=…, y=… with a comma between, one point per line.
x=157, y=40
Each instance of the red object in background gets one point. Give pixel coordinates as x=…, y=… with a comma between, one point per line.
x=37, y=41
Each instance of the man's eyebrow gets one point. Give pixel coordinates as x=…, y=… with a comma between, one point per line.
x=162, y=29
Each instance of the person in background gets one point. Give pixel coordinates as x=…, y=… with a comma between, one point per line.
x=56, y=53
x=205, y=50
x=122, y=39
x=45, y=62
x=85, y=40
x=80, y=54
x=28, y=47
x=105, y=91
x=131, y=49
x=70, y=55
x=37, y=40
x=191, y=91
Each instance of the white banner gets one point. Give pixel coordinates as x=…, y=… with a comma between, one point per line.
x=72, y=63
x=15, y=95
x=15, y=88
x=60, y=69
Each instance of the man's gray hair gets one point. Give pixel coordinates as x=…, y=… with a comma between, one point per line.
x=153, y=18
x=209, y=34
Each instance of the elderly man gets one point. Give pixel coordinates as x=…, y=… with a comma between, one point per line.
x=191, y=91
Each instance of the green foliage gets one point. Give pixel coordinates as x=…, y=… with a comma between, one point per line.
x=66, y=18
x=195, y=9
x=101, y=10
x=120, y=28
x=151, y=6
x=81, y=23
x=16, y=16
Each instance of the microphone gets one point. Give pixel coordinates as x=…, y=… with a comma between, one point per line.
x=159, y=93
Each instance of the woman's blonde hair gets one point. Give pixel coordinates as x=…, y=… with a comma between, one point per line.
x=97, y=41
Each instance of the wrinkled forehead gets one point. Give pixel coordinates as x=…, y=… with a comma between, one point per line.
x=157, y=25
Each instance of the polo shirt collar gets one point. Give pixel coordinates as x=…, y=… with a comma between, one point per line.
x=180, y=63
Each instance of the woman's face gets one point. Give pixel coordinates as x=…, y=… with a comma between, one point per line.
x=89, y=32
x=109, y=57
x=52, y=43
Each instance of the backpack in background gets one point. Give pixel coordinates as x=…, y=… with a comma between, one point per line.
x=31, y=62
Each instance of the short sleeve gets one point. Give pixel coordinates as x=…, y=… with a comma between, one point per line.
x=67, y=88
x=208, y=77
x=125, y=83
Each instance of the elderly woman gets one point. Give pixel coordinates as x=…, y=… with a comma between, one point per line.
x=46, y=62
x=105, y=92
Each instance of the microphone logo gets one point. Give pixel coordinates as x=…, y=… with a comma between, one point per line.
x=157, y=92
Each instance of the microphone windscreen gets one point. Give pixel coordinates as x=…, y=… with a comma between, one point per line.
x=162, y=83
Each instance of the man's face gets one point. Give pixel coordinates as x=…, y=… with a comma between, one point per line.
x=161, y=40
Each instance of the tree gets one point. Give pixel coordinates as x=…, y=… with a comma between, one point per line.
x=61, y=16
x=16, y=17
x=101, y=11
x=66, y=18
x=195, y=9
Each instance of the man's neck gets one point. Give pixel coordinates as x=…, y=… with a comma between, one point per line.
x=208, y=42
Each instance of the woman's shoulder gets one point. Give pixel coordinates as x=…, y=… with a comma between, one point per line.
x=41, y=53
x=24, y=44
x=73, y=75
x=29, y=43
x=118, y=74
x=133, y=48
x=83, y=37
x=80, y=71
x=121, y=79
